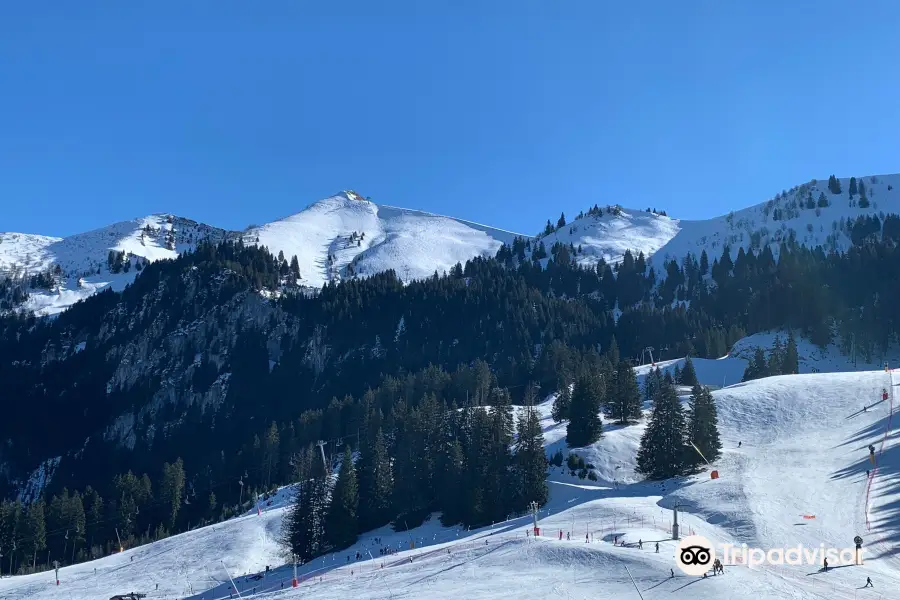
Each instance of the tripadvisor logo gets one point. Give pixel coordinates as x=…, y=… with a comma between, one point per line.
x=695, y=555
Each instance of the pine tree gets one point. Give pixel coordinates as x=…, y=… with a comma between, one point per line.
x=624, y=399
x=531, y=460
x=171, y=490
x=375, y=484
x=341, y=525
x=302, y=530
x=853, y=190
x=776, y=358
x=562, y=221
x=662, y=453
x=270, y=453
x=704, y=262
x=757, y=367
x=676, y=374
x=703, y=428
x=652, y=382
x=451, y=465
x=613, y=351
x=33, y=531
x=585, y=426
x=688, y=374
x=790, y=363
x=823, y=200
x=560, y=410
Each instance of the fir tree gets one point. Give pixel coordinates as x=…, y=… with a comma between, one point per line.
x=757, y=367
x=303, y=530
x=584, y=425
x=703, y=428
x=613, y=351
x=171, y=490
x=776, y=358
x=790, y=363
x=823, y=200
x=624, y=399
x=34, y=531
x=688, y=374
x=562, y=221
x=531, y=460
x=560, y=410
x=341, y=524
x=662, y=453
x=853, y=190
x=375, y=484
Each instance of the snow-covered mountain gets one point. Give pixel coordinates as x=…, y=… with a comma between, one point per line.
x=333, y=239
x=80, y=265
x=347, y=236
x=812, y=213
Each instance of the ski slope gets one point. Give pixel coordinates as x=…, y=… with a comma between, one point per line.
x=803, y=454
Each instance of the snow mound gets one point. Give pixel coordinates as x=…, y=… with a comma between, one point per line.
x=609, y=235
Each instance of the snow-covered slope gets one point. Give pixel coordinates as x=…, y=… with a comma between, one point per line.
x=608, y=235
x=339, y=237
x=773, y=221
x=79, y=263
x=346, y=235
x=798, y=477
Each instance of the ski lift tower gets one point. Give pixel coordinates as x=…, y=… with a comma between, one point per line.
x=321, y=446
x=675, y=521
x=648, y=351
x=534, y=516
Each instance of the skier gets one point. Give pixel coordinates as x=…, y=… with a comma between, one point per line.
x=865, y=408
x=641, y=544
x=586, y=538
x=657, y=547
x=869, y=582
x=826, y=564
x=568, y=536
x=867, y=472
x=560, y=535
x=672, y=573
x=615, y=542
x=739, y=444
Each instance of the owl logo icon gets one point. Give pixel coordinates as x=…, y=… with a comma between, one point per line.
x=694, y=555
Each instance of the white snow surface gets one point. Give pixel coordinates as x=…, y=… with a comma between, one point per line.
x=413, y=243
x=799, y=477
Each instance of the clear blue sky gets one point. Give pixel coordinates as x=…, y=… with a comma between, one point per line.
x=502, y=112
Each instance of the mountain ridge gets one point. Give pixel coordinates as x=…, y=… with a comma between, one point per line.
x=346, y=235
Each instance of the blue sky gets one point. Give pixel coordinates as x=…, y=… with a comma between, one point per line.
x=502, y=112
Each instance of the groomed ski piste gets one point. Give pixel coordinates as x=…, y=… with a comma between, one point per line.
x=793, y=471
